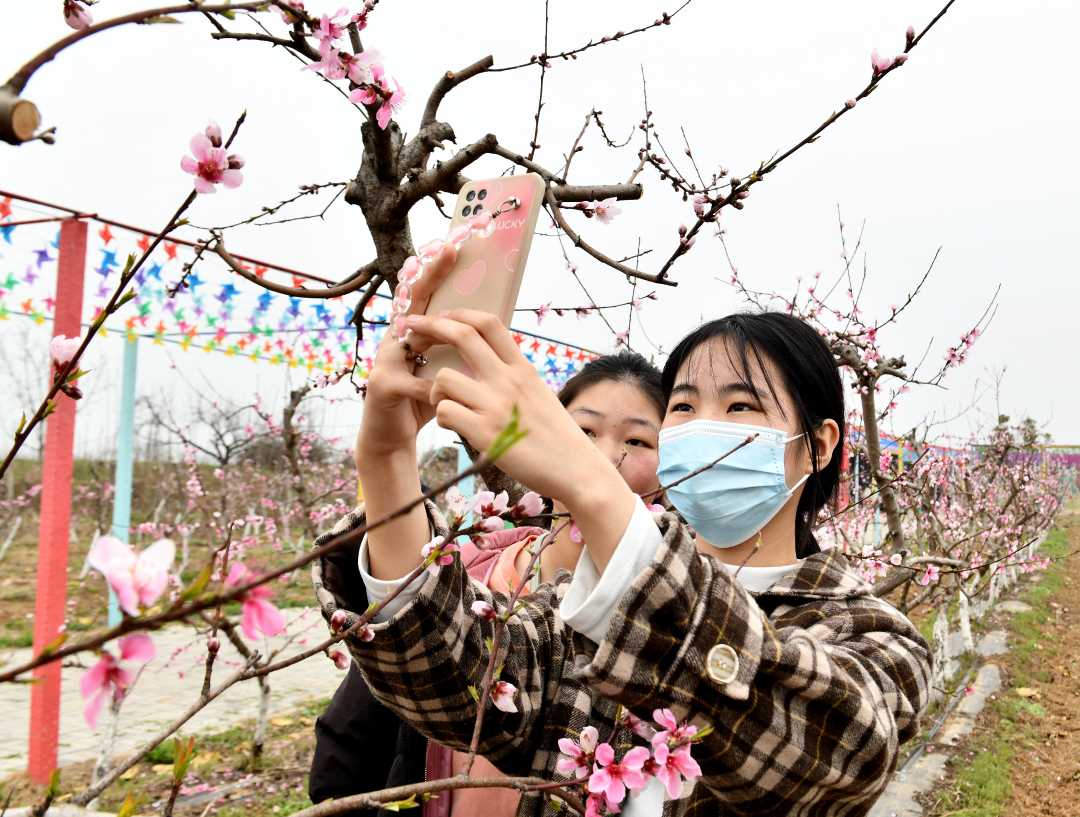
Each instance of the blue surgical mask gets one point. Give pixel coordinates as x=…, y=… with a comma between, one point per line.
x=735, y=498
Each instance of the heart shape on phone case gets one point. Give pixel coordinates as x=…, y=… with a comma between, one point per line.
x=468, y=279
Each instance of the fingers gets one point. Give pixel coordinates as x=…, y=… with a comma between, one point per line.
x=451, y=384
x=398, y=385
x=434, y=274
x=490, y=329
x=468, y=424
x=472, y=347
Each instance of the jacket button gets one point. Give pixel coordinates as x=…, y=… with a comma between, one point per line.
x=722, y=664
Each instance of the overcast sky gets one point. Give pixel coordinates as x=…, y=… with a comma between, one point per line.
x=970, y=147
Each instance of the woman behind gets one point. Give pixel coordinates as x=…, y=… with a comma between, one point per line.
x=808, y=682
x=618, y=402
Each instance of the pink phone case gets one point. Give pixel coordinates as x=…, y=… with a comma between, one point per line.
x=488, y=272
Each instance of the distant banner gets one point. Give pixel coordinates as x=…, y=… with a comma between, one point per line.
x=215, y=311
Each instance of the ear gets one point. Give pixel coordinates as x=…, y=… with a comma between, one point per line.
x=825, y=439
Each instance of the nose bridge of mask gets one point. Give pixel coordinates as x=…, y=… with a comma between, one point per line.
x=721, y=428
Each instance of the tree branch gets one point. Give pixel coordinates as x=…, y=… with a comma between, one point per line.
x=579, y=242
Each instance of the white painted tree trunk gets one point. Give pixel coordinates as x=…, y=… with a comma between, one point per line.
x=965, y=620
x=10, y=537
x=940, y=647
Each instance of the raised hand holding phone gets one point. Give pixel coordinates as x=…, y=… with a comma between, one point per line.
x=487, y=274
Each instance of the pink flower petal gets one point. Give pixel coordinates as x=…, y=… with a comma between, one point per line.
x=200, y=147
x=95, y=679
x=203, y=186
x=137, y=647
x=189, y=165
x=605, y=754
x=93, y=708
x=382, y=116
x=232, y=178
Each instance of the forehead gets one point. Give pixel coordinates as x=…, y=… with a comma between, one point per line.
x=717, y=365
x=616, y=400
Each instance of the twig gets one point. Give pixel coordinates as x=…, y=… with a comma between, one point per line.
x=662, y=20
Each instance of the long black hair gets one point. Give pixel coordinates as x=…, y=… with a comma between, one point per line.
x=624, y=367
x=810, y=376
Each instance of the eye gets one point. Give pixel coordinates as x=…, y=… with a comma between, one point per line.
x=676, y=407
x=589, y=432
x=639, y=443
x=739, y=407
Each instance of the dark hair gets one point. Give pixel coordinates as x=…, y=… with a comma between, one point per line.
x=625, y=367
x=809, y=375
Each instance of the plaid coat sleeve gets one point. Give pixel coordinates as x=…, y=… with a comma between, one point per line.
x=423, y=660
x=808, y=705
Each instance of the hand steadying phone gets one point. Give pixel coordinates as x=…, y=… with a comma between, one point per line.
x=488, y=272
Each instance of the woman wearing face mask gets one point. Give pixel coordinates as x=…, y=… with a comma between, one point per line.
x=618, y=402
x=808, y=682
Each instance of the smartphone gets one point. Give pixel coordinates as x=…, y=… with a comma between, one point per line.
x=488, y=272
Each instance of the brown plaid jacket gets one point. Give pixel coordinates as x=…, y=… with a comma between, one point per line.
x=829, y=680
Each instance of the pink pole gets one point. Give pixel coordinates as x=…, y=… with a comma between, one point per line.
x=55, y=524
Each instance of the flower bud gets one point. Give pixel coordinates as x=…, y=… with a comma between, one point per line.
x=338, y=620
x=340, y=659
x=682, y=229
x=850, y=103
x=235, y=162
x=212, y=646
x=213, y=133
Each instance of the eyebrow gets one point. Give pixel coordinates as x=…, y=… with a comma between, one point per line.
x=726, y=390
x=628, y=421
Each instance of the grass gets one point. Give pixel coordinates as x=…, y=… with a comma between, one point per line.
x=981, y=787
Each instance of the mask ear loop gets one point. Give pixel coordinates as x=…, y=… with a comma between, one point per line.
x=805, y=477
x=795, y=487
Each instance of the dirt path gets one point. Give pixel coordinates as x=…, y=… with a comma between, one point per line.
x=1046, y=766
x=1023, y=759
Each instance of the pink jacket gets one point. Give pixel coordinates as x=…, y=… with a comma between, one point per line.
x=480, y=564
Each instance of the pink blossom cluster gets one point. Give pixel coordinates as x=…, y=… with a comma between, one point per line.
x=608, y=780
x=372, y=86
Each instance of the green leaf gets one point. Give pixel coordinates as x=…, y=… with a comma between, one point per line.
x=401, y=805
x=474, y=693
x=160, y=18
x=510, y=435
x=228, y=14
x=183, y=753
x=54, y=645
x=198, y=584
x=50, y=407
x=701, y=734
x=127, y=296
x=54, y=784
x=76, y=374
x=127, y=808
x=22, y=425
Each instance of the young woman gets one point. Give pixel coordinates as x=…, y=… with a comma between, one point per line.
x=808, y=682
x=617, y=400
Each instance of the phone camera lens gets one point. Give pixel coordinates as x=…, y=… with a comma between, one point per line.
x=471, y=195
x=466, y=210
x=477, y=209
x=482, y=195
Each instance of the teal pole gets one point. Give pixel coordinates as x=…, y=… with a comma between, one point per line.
x=468, y=485
x=125, y=459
